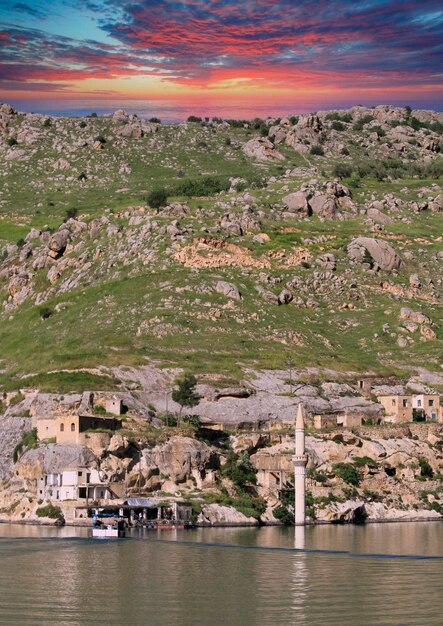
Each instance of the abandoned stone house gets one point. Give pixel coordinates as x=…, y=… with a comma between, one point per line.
x=72, y=428
x=76, y=483
x=404, y=408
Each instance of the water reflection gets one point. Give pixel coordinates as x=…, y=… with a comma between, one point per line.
x=299, y=577
x=206, y=576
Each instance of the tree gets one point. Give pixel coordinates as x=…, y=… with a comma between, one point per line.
x=157, y=198
x=184, y=392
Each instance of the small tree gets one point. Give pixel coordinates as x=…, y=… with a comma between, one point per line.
x=184, y=392
x=157, y=198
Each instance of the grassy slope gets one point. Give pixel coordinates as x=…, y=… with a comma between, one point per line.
x=99, y=327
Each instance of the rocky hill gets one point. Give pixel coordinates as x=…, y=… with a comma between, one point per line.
x=281, y=260
x=315, y=239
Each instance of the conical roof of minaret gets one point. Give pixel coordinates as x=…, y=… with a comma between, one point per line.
x=300, y=421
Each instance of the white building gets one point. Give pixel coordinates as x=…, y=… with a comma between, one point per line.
x=80, y=483
x=429, y=404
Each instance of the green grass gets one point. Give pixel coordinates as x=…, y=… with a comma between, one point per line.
x=131, y=314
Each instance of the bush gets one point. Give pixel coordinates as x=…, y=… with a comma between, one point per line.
x=82, y=124
x=425, y=469
x=283, y=515
x=342, y=170
x=28, y=441
x=336, y=117
x=239, y=469
x=317, y=150
x=72, y=212
x=203, y=186
x=157, y=198
x=20, y=242
x=194, y=118
x=362, y=122
x=193, y=420
x=293, y=119
x=82, y=176
x=338, y=126
x=51, y=511
x=12, y=141
x=45, y=312
x=155, y=120
x=100, y=139
x=348, y=473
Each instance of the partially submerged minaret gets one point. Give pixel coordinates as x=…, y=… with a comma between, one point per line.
x=300, y=459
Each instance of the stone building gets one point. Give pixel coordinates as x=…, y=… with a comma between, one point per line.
x=71, y=428
x=76, y=483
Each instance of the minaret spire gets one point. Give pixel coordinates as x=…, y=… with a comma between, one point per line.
x=300, y=459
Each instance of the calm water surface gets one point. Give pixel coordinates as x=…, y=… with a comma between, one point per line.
x=367, y=575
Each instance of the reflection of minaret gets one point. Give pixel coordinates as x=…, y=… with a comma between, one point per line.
x=300, y=459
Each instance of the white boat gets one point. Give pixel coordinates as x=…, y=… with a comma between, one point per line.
x=101, y=530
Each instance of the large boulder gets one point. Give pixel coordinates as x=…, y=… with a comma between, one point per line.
x=262, y=150
x=374, y=251
x=298, y=203
x=54, y=458
x=58, y=242
x=178, y=458
x=347, y=512
x=228, y=289
x=218, y=515
x=12, y=430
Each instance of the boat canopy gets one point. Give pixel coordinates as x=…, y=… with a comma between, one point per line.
x=145, y=503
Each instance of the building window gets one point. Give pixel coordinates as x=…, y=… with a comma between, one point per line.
x=431, y=402
x=80, y=473
x=72, y=427
x=405, y=403
x=393, y=401
x=419, y=403
x=62, y=428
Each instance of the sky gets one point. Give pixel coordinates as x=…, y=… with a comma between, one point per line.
x=62, y=54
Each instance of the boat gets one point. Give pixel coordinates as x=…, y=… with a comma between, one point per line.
x=103, y=530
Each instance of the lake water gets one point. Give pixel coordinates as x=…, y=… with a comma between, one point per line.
x=325, y=575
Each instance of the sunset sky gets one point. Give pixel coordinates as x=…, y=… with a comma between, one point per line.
x=325, y=53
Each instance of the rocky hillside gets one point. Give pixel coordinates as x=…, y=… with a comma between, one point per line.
x=222, y=247
x=374, y=474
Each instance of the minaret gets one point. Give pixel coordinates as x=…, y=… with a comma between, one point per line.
x=300, y=459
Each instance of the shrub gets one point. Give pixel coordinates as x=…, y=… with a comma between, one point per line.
x=12, y=141
x=362, y=122
x=203, y=186
x=202, y=144
x=82, y=176
x=194, y=118
x=45, y=312
x=82, y=124
x=47, y=123
x=348, y=473
x=192, y=420
x=239, y=469
x=93, y=114
x=283, y=515
x=338, y=126
x=363, y=461
x=72, y=212
x=157, y=198
x=51, y=511
x=293, y=119
x=336, y=117
x=155, y=120
x=342, y=170
x=21, y=242
x=100, y=138
x=28, y=441
x=317, y=150
x=264, y=131
x=228, y=141
x=425, y=469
